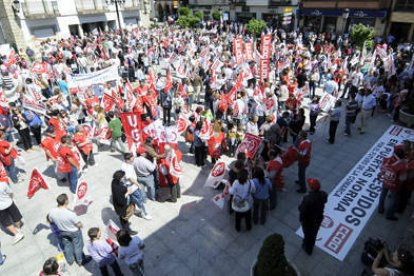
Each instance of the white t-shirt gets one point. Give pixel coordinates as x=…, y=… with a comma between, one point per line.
x=5, y=196
x=64, y=219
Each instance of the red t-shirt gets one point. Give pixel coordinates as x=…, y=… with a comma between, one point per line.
x=58, y=126
x=51, y=145
x=79, y=138
x=66, y=152
x=3, y=174
x=304, y=150
x=5, y=158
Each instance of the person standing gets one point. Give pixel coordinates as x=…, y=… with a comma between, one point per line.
x=35, y=124
x=84, y=145
x=69, y=226
x=242, y=190
x=368, y=103
x=10, y=216
x=145, y=171
x=102, y=253
x=311, y=214
x=7, y=156
x=262, y=186
x=121, y=200
x=334, y=117
x=304, y=156
x=313, y=114
x=116, y=129
x=131, y=252
x=22, y=126
x=275, y=169
x=166, y=100
x=350, y=112
x=199, y=145
x=68, y=163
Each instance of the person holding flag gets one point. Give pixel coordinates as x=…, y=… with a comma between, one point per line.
x=85, y=146
x=68, y=163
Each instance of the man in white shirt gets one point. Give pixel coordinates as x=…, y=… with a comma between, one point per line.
x=10, y=216
x=69, y=227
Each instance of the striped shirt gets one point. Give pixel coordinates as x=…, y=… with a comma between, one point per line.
x=351, y=108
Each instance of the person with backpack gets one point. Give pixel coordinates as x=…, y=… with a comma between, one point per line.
x=262, y=186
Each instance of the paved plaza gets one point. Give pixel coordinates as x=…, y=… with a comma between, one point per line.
x=193, y=236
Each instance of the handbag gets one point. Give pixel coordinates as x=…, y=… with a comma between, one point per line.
x=129, y=211
x=240, y=204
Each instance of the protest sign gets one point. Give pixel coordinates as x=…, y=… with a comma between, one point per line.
x=219, y=200
x=111, y=230
x=248, y=49
x=353, y=201
x=34, y=106
x=82, y=194
x=238, y=50
x=327, y=102
x=266, y=46
x=102, y=76
x=264, y=69
x=132, y=127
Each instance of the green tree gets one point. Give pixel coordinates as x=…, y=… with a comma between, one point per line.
x=199, y=14
x=183, y=21
x=271, y=259
x=256, y=26
x=184, y=11
x=361, y=34
x=216, y=14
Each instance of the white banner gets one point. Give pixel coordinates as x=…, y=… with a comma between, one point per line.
x=101, y=76
x=352, y=202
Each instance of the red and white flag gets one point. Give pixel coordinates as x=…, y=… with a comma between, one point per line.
x=108, y=102
x=132, y=127
x=182, y=124
x=216, y=175
x=36, y=182
x=250, y=145
x=82, y=194
x=238, y=50
x=206, y=130
x=154, y=129
x=176, y=168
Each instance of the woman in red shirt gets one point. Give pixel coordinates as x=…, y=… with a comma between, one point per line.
x=84, y=145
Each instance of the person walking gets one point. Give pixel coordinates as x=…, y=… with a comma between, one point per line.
x=262, y=186
x=131, y=252
x=70, y=227
x=350, y=114
x=68, y=163
x=313, y=114
x=10, y=216
x=145, y=172
x=102, y=253
x=334, y=117
x=242, y=190
x=311, y=214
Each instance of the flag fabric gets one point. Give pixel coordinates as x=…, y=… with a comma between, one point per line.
x=132, y=127
x=250, y=145
x=36, y=182
x=216, y=175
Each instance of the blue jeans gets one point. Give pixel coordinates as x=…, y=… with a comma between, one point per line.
x=138, y=198
x=149, y=182
x=12, y=171
x=72, y=246
x=72, y=176
x=302, y=176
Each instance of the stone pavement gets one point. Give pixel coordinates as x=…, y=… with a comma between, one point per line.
x=194, y=237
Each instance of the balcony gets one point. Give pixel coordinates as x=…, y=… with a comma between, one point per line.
x=132, y=5
x=91, y=6
x=40, y=9
x=276, y=3
x=404, y=6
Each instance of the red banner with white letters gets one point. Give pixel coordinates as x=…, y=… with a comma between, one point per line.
x=238, y=50
x=264, y=69
x=132, y=127
x=266, y=49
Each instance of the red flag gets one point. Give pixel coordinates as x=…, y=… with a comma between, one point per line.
x=132, y=127
x=168, y=82
x=118, y=101
x=108, y=102
x=266, y=46
x=36, y=182
x=12, y=58
x=231, y=96
x=182, y=124
x=248, y=48
x=250, y=145
x=130, y=97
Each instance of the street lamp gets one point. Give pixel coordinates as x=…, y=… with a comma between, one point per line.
x=16, y=6
x=345, y=16
x=117, y=3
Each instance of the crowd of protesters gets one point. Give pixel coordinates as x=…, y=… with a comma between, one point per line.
x=193, y=82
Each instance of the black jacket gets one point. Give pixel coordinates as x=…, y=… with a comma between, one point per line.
x=118, y=198
x=311, y=207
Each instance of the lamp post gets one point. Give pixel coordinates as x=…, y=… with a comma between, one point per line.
x=345, y=16
x=117, y=4
x=16, y=7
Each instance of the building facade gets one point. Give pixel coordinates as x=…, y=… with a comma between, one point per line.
x=339, y=15
x=402, y=20
x=25, y=20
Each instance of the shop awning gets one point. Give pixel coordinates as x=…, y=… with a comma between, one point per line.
x=320, y=12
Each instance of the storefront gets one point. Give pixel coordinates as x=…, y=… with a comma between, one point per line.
x=366, y=17
x=245, y=16
x=318, y=20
